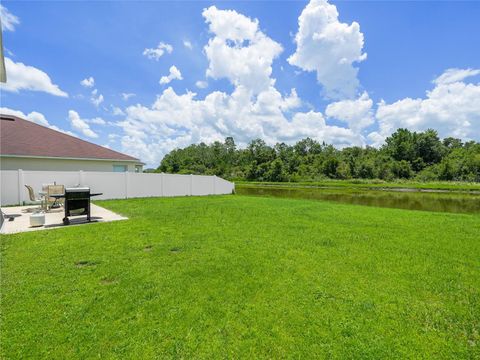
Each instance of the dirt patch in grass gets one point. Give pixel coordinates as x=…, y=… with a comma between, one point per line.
x=328, y=243
x=321, y=295
x=85, y=263
x=108, y=281
x=175, y=249
x=148, y=248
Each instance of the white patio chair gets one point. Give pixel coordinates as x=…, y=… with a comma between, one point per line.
x=34, y=199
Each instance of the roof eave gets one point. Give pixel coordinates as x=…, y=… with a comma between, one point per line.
x=69, y=158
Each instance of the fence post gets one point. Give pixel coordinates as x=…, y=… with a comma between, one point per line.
x=214, y=185
x=81, y=178
x=126, y=184
x=161, y=185
x=191, y=184
x=21, y=184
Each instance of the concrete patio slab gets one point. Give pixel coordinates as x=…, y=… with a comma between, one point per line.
x=53, y=218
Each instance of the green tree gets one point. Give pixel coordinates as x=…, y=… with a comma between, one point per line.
x=401, y=145
x=330, y=167
x=405, y=155
x=402, y=169
x=429, y=148
x=276, y=171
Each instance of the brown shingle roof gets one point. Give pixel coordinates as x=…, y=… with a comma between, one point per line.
x=24, y=138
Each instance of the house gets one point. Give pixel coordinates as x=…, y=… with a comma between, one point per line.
x=28, y=146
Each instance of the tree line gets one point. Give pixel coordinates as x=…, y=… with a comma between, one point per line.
x=422, y=156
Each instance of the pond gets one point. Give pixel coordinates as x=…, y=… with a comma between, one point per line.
x=454, y=202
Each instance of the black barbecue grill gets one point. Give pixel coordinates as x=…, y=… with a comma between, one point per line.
x=77, y=202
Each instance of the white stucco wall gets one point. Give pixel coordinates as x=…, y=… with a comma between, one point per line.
x=40, y=164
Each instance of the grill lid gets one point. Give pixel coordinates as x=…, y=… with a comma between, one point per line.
x=78, y=189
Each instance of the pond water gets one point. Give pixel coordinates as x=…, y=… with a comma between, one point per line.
x=411, y=200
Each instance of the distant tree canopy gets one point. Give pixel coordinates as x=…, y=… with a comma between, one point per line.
x=405, y=155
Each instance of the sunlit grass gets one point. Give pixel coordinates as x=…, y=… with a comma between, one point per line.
x=249, y=277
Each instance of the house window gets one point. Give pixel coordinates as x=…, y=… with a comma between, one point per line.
x=119, y=168
x=138, y=168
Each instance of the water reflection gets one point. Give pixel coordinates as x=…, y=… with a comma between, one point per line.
x=443, y=202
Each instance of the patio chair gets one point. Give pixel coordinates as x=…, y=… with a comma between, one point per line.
x=33, y=199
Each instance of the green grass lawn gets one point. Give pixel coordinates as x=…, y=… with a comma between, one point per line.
x=245, y=277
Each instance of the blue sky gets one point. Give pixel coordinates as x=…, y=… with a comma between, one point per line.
x=352, y=74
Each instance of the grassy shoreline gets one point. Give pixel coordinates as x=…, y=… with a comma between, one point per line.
x=372, y=184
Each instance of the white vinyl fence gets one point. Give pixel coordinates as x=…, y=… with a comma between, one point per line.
x=112, y=185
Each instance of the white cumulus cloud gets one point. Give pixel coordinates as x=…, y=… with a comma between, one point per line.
x=452, y=108
x=239, y=51
x=25, y=77
x=187, y=44
x=96, y=98
x=9, y=21
x=330, y=48
x=126, y=96
x=174, y=73
x=454, y=75
x=88, y=82
x=97, y=121
x=80, y=124
x=157, y=53
x=358, y=113
x=117, y=111
x=201, y=84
